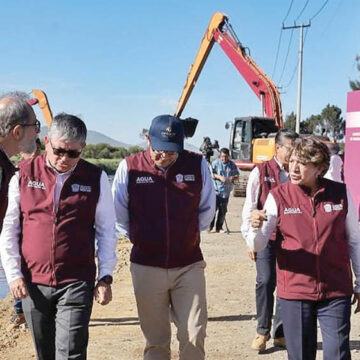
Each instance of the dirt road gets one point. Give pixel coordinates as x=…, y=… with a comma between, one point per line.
x=114, y=329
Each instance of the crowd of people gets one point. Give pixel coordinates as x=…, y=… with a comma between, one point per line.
x=58, y=213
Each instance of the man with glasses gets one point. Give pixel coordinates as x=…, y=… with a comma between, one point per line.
x=58, y=205
x=163, y=198
x=18, y=132
x=262, y=179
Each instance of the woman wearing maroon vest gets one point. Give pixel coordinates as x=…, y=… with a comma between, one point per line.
x=319, y=240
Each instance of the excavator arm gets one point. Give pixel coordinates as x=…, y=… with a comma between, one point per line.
x=40, y=98
x=220, y=31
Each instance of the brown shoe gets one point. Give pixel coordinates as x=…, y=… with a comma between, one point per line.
x=280, y=342
x=17, y=319
x=259, y=342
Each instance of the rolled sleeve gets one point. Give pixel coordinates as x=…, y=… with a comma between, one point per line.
x=105, y=229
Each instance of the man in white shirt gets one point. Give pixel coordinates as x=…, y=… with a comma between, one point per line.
x=58, y=205
x=262, y=179
x=336, y=164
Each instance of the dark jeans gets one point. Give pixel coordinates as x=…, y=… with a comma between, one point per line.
x=18, y=306
x=265, y=287
x=58, y=318
x=221, y=210
x=300, y=326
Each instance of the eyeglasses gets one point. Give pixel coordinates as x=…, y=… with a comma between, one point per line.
x=37, y=125
x=73, y=154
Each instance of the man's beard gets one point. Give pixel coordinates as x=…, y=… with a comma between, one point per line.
x=28, y=147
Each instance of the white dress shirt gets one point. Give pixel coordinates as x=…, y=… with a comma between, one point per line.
x=252, y=195
x=104, y=227
x=121, y=198
x=257, y=239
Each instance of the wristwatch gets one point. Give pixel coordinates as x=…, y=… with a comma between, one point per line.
x=107, y=279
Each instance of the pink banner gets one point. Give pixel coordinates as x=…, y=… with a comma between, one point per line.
x=352, y=147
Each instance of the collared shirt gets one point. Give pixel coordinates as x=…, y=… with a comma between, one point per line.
x=257, y=239
x=121, y=198
x=252, y=195
x=104, y=228
x=224, y=169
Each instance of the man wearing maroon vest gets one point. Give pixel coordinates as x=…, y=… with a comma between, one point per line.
x=58, y=205
x=262, y=179
x=18, y=131
x=163, y=198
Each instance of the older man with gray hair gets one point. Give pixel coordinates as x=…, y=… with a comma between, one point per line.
x=58, y=205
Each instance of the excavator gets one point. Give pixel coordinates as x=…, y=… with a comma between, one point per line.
x=252, y=138
x=41, y=99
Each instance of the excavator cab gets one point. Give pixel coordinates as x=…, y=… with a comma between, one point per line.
x=252, y=139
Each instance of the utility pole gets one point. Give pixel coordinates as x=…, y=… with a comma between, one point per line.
x=298, y=107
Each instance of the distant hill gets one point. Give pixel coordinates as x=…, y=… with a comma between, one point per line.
x=94, y=137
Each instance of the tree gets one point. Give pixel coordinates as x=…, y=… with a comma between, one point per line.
x=290, y=121
x=355, y=84
x=310, y=124
x=332, y=124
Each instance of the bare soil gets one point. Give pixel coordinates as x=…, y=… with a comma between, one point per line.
x=115, y=331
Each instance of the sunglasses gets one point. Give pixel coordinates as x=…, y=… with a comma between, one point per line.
x=37, y=125
x=73, y=154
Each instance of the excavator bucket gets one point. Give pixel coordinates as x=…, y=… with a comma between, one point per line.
x=41, y=99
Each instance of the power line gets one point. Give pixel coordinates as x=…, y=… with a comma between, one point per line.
x=287, y=54
x=287, y=14
x=279, y=42
x=306, y=4
x=319, y=11
x=296, y=66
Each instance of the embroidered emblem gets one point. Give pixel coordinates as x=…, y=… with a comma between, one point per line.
x=80, y=188
x=189, y=177
x=144, y=180
x=179, y=178
x=333, y=207
x=292, y=211
x=36, y=184
x=269, y=179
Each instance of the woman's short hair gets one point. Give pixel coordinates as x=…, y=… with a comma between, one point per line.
x=311, y=149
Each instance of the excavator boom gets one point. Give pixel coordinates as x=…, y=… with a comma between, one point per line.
x=40, y=98
x=220, y=30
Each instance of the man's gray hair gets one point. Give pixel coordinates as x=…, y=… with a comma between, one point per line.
x=14, y=110
x=68, y=127
x=285, y=134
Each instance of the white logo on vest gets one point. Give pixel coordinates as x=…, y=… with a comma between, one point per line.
x=36, y=184
x=189, y=177
x=333, y=207
x=80, y=188
x=144, y=180
x=269, y=179
x=288, y=211
x=179, y=178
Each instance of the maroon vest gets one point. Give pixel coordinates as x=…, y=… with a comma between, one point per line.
x=7, y=171
x=164, y=210
x=269, y=179
x=313, y=255
x=58, y=248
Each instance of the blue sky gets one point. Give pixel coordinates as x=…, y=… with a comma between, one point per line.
x=118, y=64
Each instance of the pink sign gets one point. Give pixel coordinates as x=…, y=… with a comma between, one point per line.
x=352, y=147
